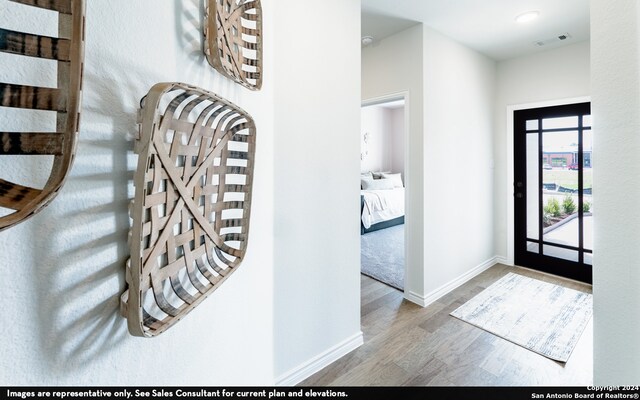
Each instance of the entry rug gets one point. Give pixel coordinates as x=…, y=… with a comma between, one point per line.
x=542, y=317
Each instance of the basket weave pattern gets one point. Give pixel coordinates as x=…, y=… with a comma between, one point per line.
x=192, y=203
x=233, y=40
x=67, y=52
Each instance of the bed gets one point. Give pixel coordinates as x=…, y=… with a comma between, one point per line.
x=381, y=209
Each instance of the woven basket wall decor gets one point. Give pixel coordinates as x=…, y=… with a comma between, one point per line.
x=67, y=51
x=192, y=203
x=233, y=40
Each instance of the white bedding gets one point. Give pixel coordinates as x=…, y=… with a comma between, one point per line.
x=382, y=205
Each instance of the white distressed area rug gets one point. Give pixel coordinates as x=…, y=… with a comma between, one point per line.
x=542, y=317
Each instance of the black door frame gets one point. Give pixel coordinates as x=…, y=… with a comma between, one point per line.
x=557, y=266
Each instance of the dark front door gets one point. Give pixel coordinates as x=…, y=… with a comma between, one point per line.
x=553, y=190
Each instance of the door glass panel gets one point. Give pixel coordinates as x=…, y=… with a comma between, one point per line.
x=557, y=252
x=560, y=182
x=588, y=258
x=533, y=247
x=587, y=193
x=532, y=125
x=533, y=186
x=586, y=121
x=560, y=123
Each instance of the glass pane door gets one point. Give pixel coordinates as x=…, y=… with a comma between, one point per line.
x=553, y=190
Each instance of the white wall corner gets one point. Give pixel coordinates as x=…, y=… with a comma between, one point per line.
x=448, y=287
x=317, y=363
x=503, y=260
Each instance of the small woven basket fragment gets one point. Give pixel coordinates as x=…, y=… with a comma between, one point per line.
x=233, y=40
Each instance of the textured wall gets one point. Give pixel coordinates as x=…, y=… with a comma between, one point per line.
x=615, y=85
x=62, y=272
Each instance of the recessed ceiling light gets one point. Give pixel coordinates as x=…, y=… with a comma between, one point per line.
x=527, y=17
x=367, y=40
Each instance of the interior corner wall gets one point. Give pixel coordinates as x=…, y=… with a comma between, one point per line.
x=316, y=153
x=376, y=151
x=459, y=95
x=615, y=75
x=396, y=144
x=391, y=66
x=552, y=75
x=63, y=270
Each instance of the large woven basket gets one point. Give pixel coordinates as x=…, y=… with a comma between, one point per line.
x=192, y=203
x=67, y=51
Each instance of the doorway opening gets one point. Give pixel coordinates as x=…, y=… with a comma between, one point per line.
x=553, y=204
x=383, y=193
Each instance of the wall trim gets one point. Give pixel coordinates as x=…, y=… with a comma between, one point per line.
x=310, y=367
x=503, y=260
x=434, y=295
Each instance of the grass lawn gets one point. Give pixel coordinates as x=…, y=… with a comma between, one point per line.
x=568, y=178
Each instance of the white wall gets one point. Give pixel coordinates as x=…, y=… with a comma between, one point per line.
x=547, y=77
x=384, y=149
x=459, y=95
x=376, y=151
x=396, y=140
x=615, y=74
x=317, y=125
x=63, y=270
x=391, y=66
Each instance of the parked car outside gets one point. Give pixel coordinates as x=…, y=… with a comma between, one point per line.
x=546, y=166
x=573, y=167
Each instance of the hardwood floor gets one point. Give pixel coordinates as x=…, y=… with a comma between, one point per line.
x=405, y=344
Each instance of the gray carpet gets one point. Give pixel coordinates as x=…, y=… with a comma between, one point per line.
x=383, y=255
x=542, y=317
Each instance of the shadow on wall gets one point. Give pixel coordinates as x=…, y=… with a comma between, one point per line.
x=189, y=20
x=79, y=243
x=83, y=239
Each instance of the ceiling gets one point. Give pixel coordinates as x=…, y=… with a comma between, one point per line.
x=487, y=26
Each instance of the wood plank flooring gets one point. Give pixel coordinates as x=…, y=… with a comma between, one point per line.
x=406, y=344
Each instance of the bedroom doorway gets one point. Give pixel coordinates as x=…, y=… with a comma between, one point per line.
x=382, y=185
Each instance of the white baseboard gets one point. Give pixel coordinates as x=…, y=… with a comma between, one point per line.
x=451, y=285
x=503, y=260
x=415, y=298
x=306, y=369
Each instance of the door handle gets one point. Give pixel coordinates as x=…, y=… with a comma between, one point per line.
x=519, y=195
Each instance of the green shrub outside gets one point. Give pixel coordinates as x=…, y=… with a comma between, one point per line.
x=569, y=205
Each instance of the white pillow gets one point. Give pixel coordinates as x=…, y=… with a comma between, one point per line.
x=367, y=174
x=376, y=184
x=395, y=178
x=378, y=175
x=365, y=181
